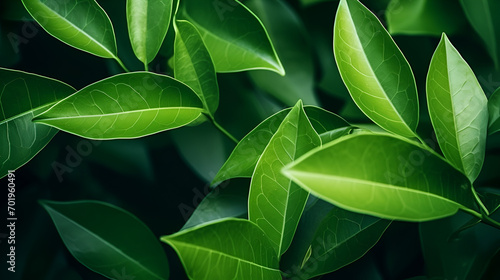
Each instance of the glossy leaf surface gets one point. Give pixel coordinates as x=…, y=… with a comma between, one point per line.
x=22, y=96
x=275, y=203
x=494, y=112
x=125, y=106
x=234, y=36
x=330, y=238
x=458, y=109
x=227, y=249
x=148, y=22
x=384, y=176
x=374, y=70
x=82, y=24
x=107, y=239
x=193, y=65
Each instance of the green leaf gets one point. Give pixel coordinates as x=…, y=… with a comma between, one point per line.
x=225, y=201
x=22, y=96
x=374, y=70
x=82, y=24
x=275, y=202
x=424, y=17
x=494, y=112
x=108, y=240
x=458, y=109
x=226, y=249
x=242, y=161
x=234, y=36
x=482, y=15
x=193, y=65
x=333, y=239
x=385, y=176
x=125, y=106
x=289, y=36
x=148, y=22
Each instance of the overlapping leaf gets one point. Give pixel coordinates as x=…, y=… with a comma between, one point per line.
x=226, y=249
x=148, y=22
x=458, y=109
x=329, y=238
x=384, y=176
x=193, y=65
x=275, y=203
x=374, y=70
x=242, y=161
x=494, y=112
x=108, y=240
x=82, y=24
x=125, y=106
x=234, y=36
x=22, y=96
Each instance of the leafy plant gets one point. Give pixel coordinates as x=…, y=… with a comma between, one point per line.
x=304, y=193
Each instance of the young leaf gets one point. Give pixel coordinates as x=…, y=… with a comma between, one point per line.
x=384, y=176
x=294, y=50
x=424, y=17
x=234, y=36
x=148, y=22
x=193, y=65
x=483, y=18
x=226, y=249
x=107, y=239
x=23, y=96
x=494, y=112
x=275, y=203
x=125, y=106
x=242, y=161
x=458, y=109
x=374, y=70
x=336, y=239
x=82, y=24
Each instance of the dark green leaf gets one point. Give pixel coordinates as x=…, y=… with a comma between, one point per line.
x=458, y=109
x=275, y=202
x=22, y=96
x=374, y=70
x=384, y=176
x=289, y=37
x=108, y=240
x=234, y=36
x=125, y=106
x=148, y=22
x=494, y=112
x=424, y=17
x=193, y=65
x=82, y=24
x=226, y=249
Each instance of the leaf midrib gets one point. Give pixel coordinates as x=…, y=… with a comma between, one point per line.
x=27, y=113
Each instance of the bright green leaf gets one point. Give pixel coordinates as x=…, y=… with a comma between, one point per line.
x=294, y=50
x=482, y=15
x=108, y=240
x=494, y=112
x=82, y=24
x=333, y=239
x=226, y=249
x=384, y=176
x=458, y=109
x=23, y=96
x=125, y=106
x=424, y=17
x=193, y=65
x=148, y=22
x=374, y=70
x=234, y=36
x=242, y=161
x=275, y=203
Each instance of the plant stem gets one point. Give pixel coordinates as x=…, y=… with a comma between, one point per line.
x=483, y=208
x=122, y=65
x=489, y=221
x=146, y=68
x=219, y=127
